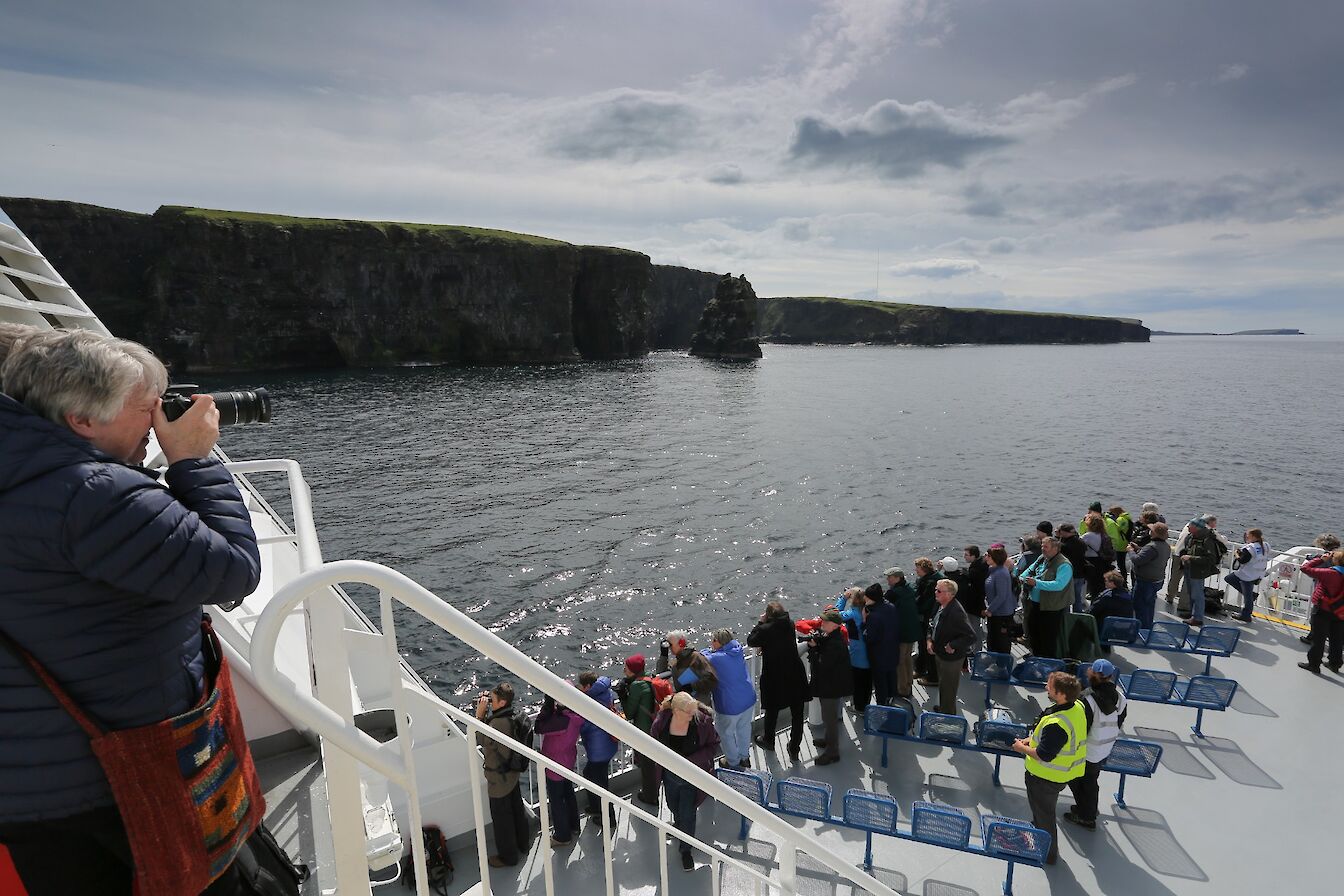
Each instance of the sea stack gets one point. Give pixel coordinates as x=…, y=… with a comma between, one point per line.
x=727, y=330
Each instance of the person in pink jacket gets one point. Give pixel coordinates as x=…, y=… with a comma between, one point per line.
x=558, y=730
x=1327, y=611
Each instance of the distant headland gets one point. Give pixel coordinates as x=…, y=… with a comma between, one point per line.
x=213, y=291
x=1237, y=333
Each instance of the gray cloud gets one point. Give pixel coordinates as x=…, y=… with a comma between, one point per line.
x=1134, y=205
x=725, y=174
x=796, y=231
x=629, y=126
x=1234, y=72
x=894, y=140
x=936, y=268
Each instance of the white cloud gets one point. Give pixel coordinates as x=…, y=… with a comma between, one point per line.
x=1233, y=72
x=936, y=268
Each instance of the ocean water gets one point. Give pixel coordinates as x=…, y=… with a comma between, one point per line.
x=578, y=511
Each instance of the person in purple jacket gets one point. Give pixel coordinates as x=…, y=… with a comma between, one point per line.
x=104, y=568
x=558, y=731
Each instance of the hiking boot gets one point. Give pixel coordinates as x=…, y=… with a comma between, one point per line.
x=760, y=741
x=1335, y=667
x=1075, y=818
x=793, y=751
x=1314, y=670
x=1193, y=621
x=557, y=844
x=818, y=741
x=744, y=764
x=687, y=862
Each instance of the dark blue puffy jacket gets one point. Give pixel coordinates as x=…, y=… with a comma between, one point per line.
x=598, y=744
x=103, y=571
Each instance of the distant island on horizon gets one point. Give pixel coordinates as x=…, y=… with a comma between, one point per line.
x=1285, y=332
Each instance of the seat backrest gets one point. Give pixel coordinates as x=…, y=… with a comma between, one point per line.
x=1149, y=684
x=1119, y=630
x=1167, y=635
x=999, y=735
x=888, y=721
x=942, y=825
x=986, y=666
x=809, y=799
x=870, y=811
x=1210, y=692
x=1012, y=838
x=1133, y=757
x=1036, y=669
x=753, y=784
x=941, y=728
x=1218, y=640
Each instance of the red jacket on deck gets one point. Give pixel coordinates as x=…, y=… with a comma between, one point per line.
x=1329, y=591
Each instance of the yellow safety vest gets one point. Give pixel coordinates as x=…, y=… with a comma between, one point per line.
x=1072, y=759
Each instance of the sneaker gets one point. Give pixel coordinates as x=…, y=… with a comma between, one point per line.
x=1304, y=639
x=760, y=741
x=687, y=862
x=744, y=764
x=1075, y=818
x=723, y=762
x=1314, y=670
x=1335, y=668
x=793, y=752
x=1193, y=621
x=818, y=741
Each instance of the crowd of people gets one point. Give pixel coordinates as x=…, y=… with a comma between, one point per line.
x=874, y=643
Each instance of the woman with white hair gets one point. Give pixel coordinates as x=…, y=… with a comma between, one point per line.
x=686, y=727
x=103, y=573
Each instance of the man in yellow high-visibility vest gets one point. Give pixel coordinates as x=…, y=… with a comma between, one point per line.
x=1056, y=753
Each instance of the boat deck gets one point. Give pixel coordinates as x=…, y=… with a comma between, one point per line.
x=1229, y=813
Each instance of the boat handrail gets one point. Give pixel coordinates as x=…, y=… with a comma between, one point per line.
x=393, y=758
x=301, y=501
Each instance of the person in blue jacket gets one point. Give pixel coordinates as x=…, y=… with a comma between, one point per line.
x=598, y=745
x=853, y=606
x=104, y=569
x=734, y=698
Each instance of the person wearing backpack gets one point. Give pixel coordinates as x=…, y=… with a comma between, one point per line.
x=1200, y=558
x=636, y=693
x=598, y=745
x=512, y=833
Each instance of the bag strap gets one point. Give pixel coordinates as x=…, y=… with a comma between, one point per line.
x=91, y=728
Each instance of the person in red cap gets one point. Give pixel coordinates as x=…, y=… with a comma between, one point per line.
x=636, y=694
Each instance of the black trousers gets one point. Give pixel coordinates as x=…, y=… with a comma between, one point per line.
x=926, y=666
x=1087, y=791
x=799, y=716
x=1043, y=797
x=863, y=687
x=1000, y=634
x=1325, y=627
x=85, y=853
x=512, y=835
x=1044, y=632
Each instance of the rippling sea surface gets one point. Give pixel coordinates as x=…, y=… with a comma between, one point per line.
x=579, y=510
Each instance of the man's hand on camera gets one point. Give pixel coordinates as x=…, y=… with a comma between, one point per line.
x=191, y=436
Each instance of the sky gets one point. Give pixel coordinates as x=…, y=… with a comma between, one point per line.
x=1177, y=162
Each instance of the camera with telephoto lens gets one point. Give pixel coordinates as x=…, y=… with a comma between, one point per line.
x=239, y=407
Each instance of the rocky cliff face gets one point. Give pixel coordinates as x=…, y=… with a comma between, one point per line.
x=842, y=321
x=215, y=291
x=677, y=297
x=727, y=329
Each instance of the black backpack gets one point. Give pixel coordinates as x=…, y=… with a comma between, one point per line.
x=438, y=864
x=523, y=733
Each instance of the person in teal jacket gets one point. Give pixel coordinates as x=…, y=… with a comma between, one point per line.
x=1050, y=580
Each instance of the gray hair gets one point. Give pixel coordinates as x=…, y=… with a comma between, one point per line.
x=11, y=333
x=1050, y=540
x=677, y=636
x=722, y=635
x=1149, y=505
x=79, y=372
x=951, y=585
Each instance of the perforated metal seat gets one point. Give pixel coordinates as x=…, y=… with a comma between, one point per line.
x=940, y=825
x=1206, y=692
x=887, y=721
x=986, y=666
x=1165, y=635
x=999, y=736
x=1133, y=757
x=751, y=783
x=808, y=799
x=1148, y=685
x=942, y=728
x=1012, y=838
x=868, y=811
x=1215, y=640
x=1119, y=631
x=1034, y=670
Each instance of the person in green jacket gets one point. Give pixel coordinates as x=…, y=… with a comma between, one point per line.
x=902, y=597
x=636, y=696
x=1200, y=557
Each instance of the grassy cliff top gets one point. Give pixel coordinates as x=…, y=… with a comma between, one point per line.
x=893, y=307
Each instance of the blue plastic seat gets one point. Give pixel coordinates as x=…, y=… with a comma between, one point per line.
x=1034, y=670
x=940, y=825
x=1012, y=838
x=873, y=812
x=887, y=721
x=986, y=666
x=751, y=783
x=1148, y=685
x=1165, y=635
x=941, y=728
x=1206, y=692
x=808, y=799
x=1215, y=640
x=1119, y=631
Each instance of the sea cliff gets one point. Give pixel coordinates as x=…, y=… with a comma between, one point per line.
x=215, y=291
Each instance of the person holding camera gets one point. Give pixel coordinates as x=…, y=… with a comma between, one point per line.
x=104, y=571
x=831, y=682
x=1252, y=563
x=951, y=639
x=783, y=681
x=512, y=834
x=687, y=667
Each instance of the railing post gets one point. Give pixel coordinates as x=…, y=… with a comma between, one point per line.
x=482, y=852
x=544, y=811
x=406, y=741
x=788, y=870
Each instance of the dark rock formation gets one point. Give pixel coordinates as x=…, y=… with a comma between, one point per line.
x=821, y=320
x=727, y=329
x=677, y=297
x=214, y=291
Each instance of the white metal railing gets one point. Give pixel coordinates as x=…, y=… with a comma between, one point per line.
x=393, y=759
x=301, y=501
